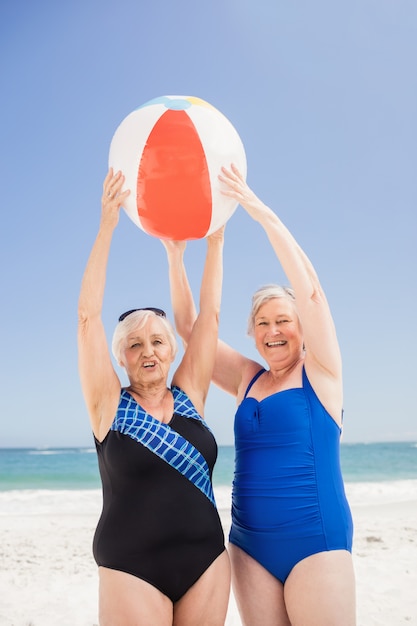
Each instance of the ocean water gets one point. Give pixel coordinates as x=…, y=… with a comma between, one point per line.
x=76, y=468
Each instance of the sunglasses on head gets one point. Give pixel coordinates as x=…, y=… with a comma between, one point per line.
x=159, y=312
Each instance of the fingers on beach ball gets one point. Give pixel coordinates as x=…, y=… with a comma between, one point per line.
x=171, y=150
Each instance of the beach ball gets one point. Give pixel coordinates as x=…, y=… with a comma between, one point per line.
x=171, y=150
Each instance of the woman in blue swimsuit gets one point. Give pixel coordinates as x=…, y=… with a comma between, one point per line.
x=159, y=543
x=291, y=533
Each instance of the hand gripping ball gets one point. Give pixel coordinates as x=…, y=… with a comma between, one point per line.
x=171, y=150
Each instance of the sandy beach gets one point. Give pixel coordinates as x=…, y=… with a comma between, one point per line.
x=48, y=576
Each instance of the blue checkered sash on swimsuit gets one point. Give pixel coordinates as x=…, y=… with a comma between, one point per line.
x=132, y=420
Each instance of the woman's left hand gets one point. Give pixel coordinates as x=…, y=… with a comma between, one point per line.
x=218, y=235
x=237, y=188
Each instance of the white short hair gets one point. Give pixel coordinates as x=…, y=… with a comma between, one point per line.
x=138, y=319
x=263, y=295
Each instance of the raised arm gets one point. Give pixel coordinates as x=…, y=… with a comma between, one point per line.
x=185, y=312
x=196, y=368
x=99, y=381
x=323, y=361
x=229, y=365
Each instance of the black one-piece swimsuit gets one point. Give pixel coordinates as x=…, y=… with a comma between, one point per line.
x=159, y=520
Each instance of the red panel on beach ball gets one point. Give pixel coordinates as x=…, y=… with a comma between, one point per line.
x=173, y=186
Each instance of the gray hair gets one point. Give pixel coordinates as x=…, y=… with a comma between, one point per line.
x=263, y=295
x=138, y=319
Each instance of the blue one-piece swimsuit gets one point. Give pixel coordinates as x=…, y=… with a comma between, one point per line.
x=288, y=498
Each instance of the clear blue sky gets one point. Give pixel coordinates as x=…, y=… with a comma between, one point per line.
x=324, y=97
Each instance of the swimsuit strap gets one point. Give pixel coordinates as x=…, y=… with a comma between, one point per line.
x=305, y=379
x=184, y=406
x=254, y=379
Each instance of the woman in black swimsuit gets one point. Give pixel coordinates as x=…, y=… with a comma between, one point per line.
x=159, y=542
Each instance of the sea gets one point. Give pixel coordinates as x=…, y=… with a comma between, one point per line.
x=77, y=469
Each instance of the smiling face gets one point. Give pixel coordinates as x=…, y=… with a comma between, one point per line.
x=147, y=354
x=278, y=333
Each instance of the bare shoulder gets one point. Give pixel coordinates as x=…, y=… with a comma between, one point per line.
x=232, y=369
x=328, y=388
x=103, y=412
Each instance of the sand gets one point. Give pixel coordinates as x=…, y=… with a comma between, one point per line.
x=48, y=576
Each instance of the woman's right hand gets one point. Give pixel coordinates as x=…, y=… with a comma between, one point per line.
x=113, y=197
x=171, y=245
